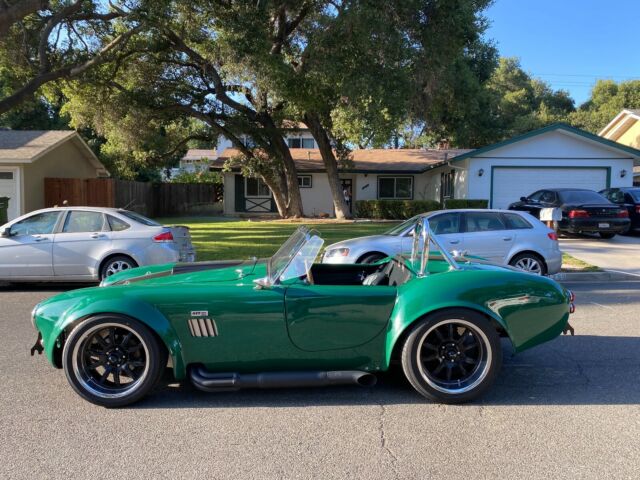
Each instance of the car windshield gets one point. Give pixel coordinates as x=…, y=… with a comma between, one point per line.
x=139, y=218
x=400, y=229
x=582, y=196
x=296, y=256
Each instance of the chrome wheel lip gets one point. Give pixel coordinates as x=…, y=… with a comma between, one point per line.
x=77, y=368
x=485, y=362
x=530, y=265
x=117, y=267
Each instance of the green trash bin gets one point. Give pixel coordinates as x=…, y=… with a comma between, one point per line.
x=4, y=206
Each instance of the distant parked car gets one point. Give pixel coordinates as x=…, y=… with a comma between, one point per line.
x=583, y=211
x=86, y=244
x=629, y=198
x=499, y=236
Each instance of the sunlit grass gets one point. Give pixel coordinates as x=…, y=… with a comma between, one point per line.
x=223, y=239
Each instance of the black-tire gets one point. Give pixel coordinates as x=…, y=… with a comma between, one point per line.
x=108, y=269
x=607, y=235
x=372, y=257
x=107, y=392
x=422, y=376
x=528, y=258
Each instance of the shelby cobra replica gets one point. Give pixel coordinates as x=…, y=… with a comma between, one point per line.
x=287, y=321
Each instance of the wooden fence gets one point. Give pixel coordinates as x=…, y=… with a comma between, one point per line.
x=145, y=198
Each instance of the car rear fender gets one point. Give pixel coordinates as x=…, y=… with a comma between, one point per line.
x=129, y=307
x=400, y=326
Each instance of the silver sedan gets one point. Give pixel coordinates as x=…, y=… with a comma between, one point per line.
x=86, y=244
x=503, y=237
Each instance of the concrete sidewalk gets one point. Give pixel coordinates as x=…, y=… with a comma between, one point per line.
x=621, y=254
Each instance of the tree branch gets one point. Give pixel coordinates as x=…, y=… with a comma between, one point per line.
x=11, y=14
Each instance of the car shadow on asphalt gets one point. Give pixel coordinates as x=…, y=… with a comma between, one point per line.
x=579, y=370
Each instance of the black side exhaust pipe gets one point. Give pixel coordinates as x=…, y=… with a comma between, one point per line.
x=221, y=382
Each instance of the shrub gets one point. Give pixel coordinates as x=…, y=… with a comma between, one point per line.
x=394, y=209
x=452, y=203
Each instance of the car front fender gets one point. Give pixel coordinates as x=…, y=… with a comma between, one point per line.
x=58, y=315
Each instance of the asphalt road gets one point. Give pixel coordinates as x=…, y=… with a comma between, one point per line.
x=567, y=409
x=619, y=254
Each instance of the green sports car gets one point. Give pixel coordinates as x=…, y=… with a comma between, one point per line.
x=289, y=322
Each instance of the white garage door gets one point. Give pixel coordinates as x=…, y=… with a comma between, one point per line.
x=509, y=184
x=9, y=188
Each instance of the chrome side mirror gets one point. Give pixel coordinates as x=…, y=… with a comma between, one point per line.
x=460, y=255
x=263, y=283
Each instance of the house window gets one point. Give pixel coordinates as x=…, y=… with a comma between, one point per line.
x=255, y=187
x=294, y=142
x=6, y=175
x=308, y=143
x=304, y=181
x=447, y=184
x=395, y=188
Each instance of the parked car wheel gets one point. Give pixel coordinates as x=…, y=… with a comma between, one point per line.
x=113, y=360
x=372, y=258
x=529, y=262
x=452, y=356
x=607, y=235
x=116, y=264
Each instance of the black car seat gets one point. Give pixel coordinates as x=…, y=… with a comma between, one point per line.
x=392, y=273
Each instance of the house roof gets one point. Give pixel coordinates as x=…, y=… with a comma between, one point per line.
x=27, y=146
x=199, y=154
x=632, y=152
x=364, y=160
x=620, y=123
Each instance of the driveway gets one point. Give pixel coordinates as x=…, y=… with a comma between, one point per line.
x=620, y=254
x=566, y=409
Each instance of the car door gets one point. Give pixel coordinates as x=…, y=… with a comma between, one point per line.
x=332, y=317
x=447, y=227
x=81, y=243
x=486, y=235
x=27, y=252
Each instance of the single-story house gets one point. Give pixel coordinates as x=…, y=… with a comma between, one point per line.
x=27, y=157
x=554, y=156
x=625, y=129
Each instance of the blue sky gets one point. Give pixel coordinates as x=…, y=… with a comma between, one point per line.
x=570, y=43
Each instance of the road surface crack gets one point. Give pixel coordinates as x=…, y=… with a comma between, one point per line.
x=384, y=443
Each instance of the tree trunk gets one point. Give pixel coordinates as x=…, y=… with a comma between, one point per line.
x=278, y=196
x=294, y=199
x=330, y=164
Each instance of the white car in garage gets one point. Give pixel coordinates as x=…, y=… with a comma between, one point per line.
x=86, y=244
x=503, y=237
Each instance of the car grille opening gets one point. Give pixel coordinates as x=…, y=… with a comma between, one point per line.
x=203, y=327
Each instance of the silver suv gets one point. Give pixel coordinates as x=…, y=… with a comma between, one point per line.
x=503, y=237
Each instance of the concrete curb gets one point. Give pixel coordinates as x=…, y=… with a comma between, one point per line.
x=595, y=277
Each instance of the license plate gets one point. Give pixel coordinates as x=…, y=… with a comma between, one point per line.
x=603, y=225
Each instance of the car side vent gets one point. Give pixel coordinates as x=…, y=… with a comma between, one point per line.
x=203, y=327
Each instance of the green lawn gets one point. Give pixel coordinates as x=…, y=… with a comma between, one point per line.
x=224, y=239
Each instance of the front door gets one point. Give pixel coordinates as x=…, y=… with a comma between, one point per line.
x=28, y=251
x=347, y=192
x=332, y=317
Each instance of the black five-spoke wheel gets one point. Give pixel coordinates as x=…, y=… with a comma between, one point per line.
x=452, y=356
x=112, y=360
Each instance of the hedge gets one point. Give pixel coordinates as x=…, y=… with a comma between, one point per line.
x=402, y=209
x=394, y=209
x=452, y=203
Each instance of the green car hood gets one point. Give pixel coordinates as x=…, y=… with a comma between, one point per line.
x=221, y=271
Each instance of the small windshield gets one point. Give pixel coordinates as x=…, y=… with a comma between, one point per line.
x=400, y=229
x=582, y=196
x=295, y=256
x=139, y=218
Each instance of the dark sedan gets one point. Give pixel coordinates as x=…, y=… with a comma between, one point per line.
x=629, y=198
x=583, y=211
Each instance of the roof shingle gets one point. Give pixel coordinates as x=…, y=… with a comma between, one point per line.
x=28, y=144
x=363, y=160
